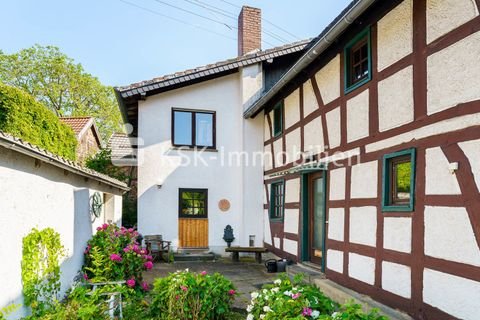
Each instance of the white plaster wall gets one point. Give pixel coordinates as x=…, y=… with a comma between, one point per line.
x=337, y=184
x=267, y=234
x=268, y=161
x=292, y=145
x=276, y=242
x=290, y=246
x=395, y=99
x=292, y=108
x=361, y=268
x=453, y=74
x=44, y=197
x=328, y=80
x=397, y=234
x=291, y=219
x=472, y=152
x=395, y=34
x=335, y=260
x=333, y=127
x=278, y=151
x=396, y=278
x=446, y=15
x=292, y=190
x=310, y=103
x=454, y=295
x=313, y=136
x=449, y=235
x=158, y=208
x=336, y=223
x=267, y=134
x=444, y=126
x=357, y=116
x=439, y=180
x=364, y=180
x=363, y=225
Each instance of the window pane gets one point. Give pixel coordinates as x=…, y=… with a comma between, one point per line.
x=204, y=129
x=402, y=180
x=182, y=134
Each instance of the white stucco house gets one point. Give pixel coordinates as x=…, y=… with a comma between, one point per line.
x=192, y=143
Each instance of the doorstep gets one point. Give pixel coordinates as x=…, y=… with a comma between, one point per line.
x=342, y=294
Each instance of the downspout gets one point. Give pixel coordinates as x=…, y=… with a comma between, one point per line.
x=321, y=45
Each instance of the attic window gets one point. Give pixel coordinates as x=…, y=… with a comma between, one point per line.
x=358, y=61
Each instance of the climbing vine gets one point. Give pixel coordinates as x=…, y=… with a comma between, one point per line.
x=42, y=251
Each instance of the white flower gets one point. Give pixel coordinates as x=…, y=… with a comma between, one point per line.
x=315, y=314
x=249, y=308
x=288, y=293
x=267, y=309
x=266, y=297
x=278, y=282
x=250, y=316
x=262, y=316
x=265, y=291
x=254, y=295
x=276, y=289
x=336, y=315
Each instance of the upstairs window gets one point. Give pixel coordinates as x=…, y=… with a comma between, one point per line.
x=399, y=181
x=193, y=128
x=278, y=119
x=193, y=203
x=358, y=61
x=277, y=201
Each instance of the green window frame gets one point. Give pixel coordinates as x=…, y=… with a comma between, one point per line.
x=391, y=202
x=278, y=119
x=277, y=201
x=356, y=58
x=192, y=203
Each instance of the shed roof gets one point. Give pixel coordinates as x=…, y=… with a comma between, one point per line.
x=80, y=125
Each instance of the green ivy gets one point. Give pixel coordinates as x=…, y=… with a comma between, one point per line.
x=24, y=117
x=5, y=311
x=42, y=251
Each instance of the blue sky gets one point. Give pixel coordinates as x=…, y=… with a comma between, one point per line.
x=121, y=43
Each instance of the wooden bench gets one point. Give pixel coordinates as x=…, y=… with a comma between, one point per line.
x=236, y=250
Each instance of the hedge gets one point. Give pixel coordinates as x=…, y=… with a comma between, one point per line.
x=24, y=117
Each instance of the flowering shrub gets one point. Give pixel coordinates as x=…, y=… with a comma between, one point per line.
x=187, y=295
x=287, y=299
x=113, y=254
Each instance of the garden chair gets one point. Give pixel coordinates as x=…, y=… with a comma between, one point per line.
x=156, y=246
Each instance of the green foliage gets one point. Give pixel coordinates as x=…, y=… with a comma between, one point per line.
x=5, y=311
x=114, y=255
x=403, y=173
x=187, y=295
x=22, y=116
x=102, y=162
x=287, y=299
x=42, y=251
x=57, y=81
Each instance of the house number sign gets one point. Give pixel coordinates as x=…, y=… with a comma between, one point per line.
x=224, y=205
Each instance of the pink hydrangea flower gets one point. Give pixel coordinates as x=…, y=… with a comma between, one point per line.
x=131, y=283
x=87, y=250
x=85, y=276
x=126, y=249
x=148, y=265
x=184, y=288
x=231, y=292
x=203, y=273
x=307, y=312
x=104, y=226
x=148, y=257
x=115, y=257
x=145, y=286
x=295, y=295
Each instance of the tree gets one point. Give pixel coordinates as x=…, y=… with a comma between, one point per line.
x=63, y=85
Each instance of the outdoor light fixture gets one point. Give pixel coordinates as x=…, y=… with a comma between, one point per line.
x=452, y=167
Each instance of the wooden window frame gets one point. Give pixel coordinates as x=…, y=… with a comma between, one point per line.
x=388, y=181
x=194, y=129
x=189, y=216
x=359, y=39
x=273, y=205
x=278, y=108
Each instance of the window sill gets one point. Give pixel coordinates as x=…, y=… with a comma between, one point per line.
x=357, y=85
x=276, y=220
x=193, y=149
x=397, y=208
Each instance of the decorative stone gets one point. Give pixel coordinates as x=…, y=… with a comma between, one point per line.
x=224, y=205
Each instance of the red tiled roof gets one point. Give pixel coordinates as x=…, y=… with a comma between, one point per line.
x=77, y=123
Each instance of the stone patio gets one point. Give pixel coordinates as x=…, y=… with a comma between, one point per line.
x=247, y=275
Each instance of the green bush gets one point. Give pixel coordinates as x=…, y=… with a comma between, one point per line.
x=186, y=295
x=287, y=299
x=24, y=117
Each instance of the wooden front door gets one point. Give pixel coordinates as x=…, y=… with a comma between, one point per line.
x=316, y=217
x=193, y=218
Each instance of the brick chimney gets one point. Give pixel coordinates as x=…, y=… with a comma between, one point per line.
x=249, y=30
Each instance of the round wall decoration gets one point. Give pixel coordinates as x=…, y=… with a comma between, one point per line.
x=96, y=203
x=224, y=205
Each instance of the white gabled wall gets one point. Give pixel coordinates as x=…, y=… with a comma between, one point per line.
x=241, y=184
